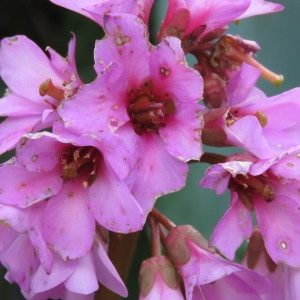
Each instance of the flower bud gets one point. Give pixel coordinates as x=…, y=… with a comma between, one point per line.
x=158, y=280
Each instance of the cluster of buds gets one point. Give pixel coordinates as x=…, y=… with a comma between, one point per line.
x=90, y=159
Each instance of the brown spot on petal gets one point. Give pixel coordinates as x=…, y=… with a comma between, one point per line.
x=290, y=165
x=34, y=157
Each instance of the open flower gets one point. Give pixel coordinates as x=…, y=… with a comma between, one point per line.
x=148, y=96
x=270, y=189
x=78, y=184
x=36, y=85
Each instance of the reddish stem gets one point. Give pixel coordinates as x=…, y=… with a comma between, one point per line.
x=155, y=236
x=162, y=219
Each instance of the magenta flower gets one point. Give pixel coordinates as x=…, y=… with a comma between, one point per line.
x=207, y=275
x=191, y=20
x=201, y=25
x=149, y=97
x=40, y=272
x=77, y=180
x=269, y=188
x=159, y=280
x=261, y=125
x=36, y=85
x=97, y=9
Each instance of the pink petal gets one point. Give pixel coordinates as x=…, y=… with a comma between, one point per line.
x=182, y=138
x=22, y=188
x=83, y=280
x=69, y=226
x=97, y=99
x=7, y=236
x=241, y=84
x=12, y=128
x=17, y=106
x=22, y=61
x=126, y=45
x=214, y=14
x=259, y=7
x=40, y=152
x=238, y=221
x=112, y=204
x=107, y=273
x=279, y=224
x=172, y=75
x=61, y=270
x=154, y=172
x=247, y=133
x=21, y=261
x=34, y=228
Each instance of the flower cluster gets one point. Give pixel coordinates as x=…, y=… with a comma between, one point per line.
x=90, y=159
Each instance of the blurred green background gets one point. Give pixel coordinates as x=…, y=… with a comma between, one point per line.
x=50, y=25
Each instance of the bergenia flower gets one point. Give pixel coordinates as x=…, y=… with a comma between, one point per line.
x=149, y=97
x=261, y=125
x=206, y=274
x=191, y=20
x=97, y=9
x=36, y=85
x=80, y=185
x=201, y=25
x=159, y=280
x=270, y=189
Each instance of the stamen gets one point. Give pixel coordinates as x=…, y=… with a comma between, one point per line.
x=241, y=51
x=48, y=88
x=147, y=113
x=265, y=189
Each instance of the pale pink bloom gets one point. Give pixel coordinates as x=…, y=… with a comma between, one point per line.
x=270, y=189
x=149, y=97
x=159, y=280
x=36, y=85
x=97, y=9
x=206, y=275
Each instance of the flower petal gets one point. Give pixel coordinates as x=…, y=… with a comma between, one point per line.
x=22, y=188
x=68, y=225
x=112, y=204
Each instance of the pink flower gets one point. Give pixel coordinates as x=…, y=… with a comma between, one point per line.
x=97, y=9
x=201, y=25
x=270, y=189
x=159, y=280
x=207, y=275
x=191, y=20
x=36, y=85
x=79, y=185
x=261, y=125
x=39, y=271
x=149, y=97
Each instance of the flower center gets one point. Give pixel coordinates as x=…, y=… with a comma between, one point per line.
x=80, y=161
x=146, y=112
x=256, y=184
